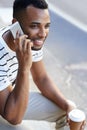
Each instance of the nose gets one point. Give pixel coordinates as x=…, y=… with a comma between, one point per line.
x=42, y=32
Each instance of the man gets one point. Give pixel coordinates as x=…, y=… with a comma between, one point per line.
x=19, y=57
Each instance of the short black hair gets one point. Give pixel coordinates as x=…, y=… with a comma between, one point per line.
x=20, y=5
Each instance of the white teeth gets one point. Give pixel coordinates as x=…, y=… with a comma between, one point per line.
x=39, y=41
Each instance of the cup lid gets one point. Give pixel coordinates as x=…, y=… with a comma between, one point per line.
x=77, y=115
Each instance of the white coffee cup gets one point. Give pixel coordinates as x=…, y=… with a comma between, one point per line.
x=76, y=117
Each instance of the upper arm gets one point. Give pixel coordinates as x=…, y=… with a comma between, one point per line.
x=38, y=71
x=3, y=98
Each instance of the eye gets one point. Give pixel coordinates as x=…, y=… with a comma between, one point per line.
x=47, y=26
x=33, y=26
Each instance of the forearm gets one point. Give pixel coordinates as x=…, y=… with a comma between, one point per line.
x=51, y=91
x=17, y=100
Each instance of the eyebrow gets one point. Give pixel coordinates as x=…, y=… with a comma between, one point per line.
x=39, y=23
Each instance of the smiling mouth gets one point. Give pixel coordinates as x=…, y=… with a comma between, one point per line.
x=37, y=44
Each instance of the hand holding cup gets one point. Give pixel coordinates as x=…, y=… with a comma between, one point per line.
x=76, y=119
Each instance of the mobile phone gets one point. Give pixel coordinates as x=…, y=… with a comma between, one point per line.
x=14, y=28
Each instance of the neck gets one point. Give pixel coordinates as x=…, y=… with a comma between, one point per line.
x=7, y=36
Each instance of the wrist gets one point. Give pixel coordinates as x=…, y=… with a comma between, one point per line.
x=23, y=70
x=70, y=106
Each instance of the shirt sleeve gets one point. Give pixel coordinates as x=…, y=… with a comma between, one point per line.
x=4, y=80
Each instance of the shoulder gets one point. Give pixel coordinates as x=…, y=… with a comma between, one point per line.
x=38, y=69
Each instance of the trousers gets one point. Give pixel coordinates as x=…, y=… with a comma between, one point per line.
x=40, y=108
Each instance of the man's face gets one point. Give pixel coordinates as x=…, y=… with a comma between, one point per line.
x=36, y=24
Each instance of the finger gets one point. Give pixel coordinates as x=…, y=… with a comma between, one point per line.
x=25, y=44
x=68, y=122
x=21, y=41
x=29, y=45
x=83, y=125
x=17, y=35
x=16, y=42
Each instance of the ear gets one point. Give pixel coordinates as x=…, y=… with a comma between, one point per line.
x=14, y=20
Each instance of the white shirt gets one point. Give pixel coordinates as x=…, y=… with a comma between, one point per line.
x=9, y=62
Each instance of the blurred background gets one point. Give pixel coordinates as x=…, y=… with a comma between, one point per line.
x=66, y=46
